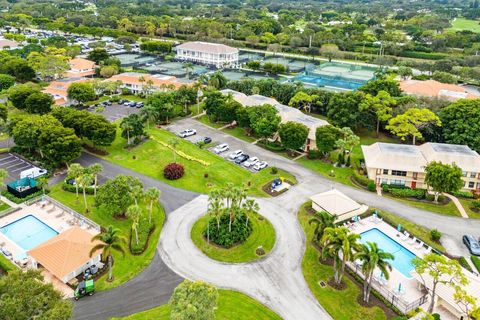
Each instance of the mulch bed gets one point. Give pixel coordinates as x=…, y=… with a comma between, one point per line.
x=339, y=287
x=94, y=150
x=267, y=188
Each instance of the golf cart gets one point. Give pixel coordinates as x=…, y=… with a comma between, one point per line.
x=85, y=287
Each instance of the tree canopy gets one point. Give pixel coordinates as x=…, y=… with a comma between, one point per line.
x=193, y=300
x=443, y=177
x=293, y=135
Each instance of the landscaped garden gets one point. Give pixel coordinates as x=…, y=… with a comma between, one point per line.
x=231, y=305
x=128, y=266
x=203, y=169
x=233, y=230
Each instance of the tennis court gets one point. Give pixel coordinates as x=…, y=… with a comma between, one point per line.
x=132, y=59
x=175, y=69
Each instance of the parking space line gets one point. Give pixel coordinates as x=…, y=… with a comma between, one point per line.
x=22, y=168
x=16, y=164
x=10, y=161
x=7, y=157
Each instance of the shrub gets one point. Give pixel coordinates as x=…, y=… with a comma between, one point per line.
x=225, y=238
x=361, y=179
x=273, y=170
x=431, y=197
x=173, y=171
x=407, y=193
x=463, y=194
x=476, y=204
x=476, y=262
x=71, y=188
x=12, y=198
x=436, y=316
x=314, y=154
x=435, y=235
x=372, y=186
x=464, y=263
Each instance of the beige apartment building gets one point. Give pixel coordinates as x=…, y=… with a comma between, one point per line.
x=398, y=164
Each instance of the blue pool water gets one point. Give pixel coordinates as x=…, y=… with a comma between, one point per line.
x=28, y=232
x=403, y=257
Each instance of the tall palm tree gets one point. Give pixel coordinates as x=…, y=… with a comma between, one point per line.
x=134, y=212
x=150, y=114
x=250, y=206
x=111, y=240
x=75, y=171
x=215, y=205
x=137, y=194
x=339, y=244
x=322, y=220
x=174, y=143
x=127, y=127
x=373, y=257
x=95, y=169
x=152, y=195
x=42, y=183
x=84, y=181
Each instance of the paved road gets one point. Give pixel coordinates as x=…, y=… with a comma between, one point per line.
x=277, y=280
x=155, y=284
x=311, y=183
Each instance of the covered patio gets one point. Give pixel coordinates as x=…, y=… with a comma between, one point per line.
x=338, y=205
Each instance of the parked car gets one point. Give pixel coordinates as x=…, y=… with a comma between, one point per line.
x=235, y=154
x=132, y=104
x=251, y=162
x=139, y=105
x=126, y=103
x=242, y=158
x=207, y=140
x=121, y=101
x=472, y=244
x=221, y=148
x=260, y=165
x=33, y=173
x=187, y=133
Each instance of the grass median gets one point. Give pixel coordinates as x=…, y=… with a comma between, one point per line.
x=232, y=305
x=125, y=267
x=263, y=234
x=150, y=157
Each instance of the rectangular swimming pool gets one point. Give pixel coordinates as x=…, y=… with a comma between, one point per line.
x=28, y=232
x=403, y=257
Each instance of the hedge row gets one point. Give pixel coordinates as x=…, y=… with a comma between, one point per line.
x=144, y=230
x=71, y=188
x=464, y=263
x=12, y=198
x=463, y=194
x=409, y=193
x=476, y=262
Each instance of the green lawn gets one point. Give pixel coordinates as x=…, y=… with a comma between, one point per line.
x=204, y=119
x=342, y=305
x=232, y=305
x=466, y=205
x=5, y=264
x=418, y=231
x=448, y=209
x=151, y=157
x=3, y=206
x=125, y=268
x=461, y=24
x=263, y=234
x=239, y=133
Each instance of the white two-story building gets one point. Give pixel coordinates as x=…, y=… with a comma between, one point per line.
x=212, y=54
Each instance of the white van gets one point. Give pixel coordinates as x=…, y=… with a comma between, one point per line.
x=33, y=173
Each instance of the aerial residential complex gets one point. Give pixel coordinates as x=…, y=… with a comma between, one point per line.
x=212, y=54
x=404, y=165
x=140, y=82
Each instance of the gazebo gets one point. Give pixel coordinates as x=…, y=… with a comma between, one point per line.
x=337, y=204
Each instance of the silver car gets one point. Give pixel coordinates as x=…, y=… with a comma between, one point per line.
x=221, y=148
x=235, y=154
x=251, y=162
x=260, y=165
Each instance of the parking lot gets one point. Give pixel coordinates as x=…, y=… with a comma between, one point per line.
x=219, y=137
x=14, y=165
x=116, y=111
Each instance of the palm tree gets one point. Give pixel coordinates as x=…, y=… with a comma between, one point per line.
x=373, y=257
x=84, y=181
x=137, y=193
x=111, y=240
x=174, y=143
x=134, y=212
x=75, y=171
x=339, y=244
x=152, y=195
x=322, y=220
x=42, y=182
x=3, y=176
x=250, y=206
x=127, y=127
x=142, y=79
x=95, y=169
x=150, y=114
x=215, y=205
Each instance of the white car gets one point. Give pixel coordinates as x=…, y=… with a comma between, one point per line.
x=260, y=165
x=235, y=154
x=251, y=162
x=221, y=148
x=187, y=133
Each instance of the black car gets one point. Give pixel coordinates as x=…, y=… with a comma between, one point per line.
x=132, y=104
x=207, y=140
x=472, y=244
x=242, y=158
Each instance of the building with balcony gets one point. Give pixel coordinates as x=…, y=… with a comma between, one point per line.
x=143, y=83
x=398, y=164
x=206, y=53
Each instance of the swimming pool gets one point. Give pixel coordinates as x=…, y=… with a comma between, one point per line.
x=403, y=257
x=28, y=232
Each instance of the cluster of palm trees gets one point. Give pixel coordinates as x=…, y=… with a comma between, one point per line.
x=83, y=178
x=342, y=246
x=231, y=200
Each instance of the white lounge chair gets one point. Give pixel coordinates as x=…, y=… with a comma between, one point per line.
x=405, y=236
x=428, y=250
x=413, y=240
x=419, y=245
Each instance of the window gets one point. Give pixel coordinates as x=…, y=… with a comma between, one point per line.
x=473, y=174
x=397, y=182
x=399, y=173
x=471, y=184
x=385, y=181
x=464, y=173
x=385, y=171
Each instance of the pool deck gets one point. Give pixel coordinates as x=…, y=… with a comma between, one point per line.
x=56, y=218
x=410, y=287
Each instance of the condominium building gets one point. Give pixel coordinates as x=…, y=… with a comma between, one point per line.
x=212, y=54
x=435, y=89
x=286, y=113
x=398, y=164
x=80, y=67
x=140, y=82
